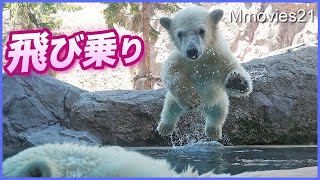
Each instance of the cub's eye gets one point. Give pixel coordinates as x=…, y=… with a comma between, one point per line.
x=201, y=32
x=180, y=34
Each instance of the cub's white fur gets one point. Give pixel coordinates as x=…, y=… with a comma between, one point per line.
x=201, y=71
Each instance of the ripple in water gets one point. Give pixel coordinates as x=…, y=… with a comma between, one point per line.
x=234, y=160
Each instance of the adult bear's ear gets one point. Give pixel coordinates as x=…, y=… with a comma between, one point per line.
x=36, y=168
x=216, y=15
x=165, y=22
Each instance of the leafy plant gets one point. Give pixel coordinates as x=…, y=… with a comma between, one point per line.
x=36, y=15
x=136, y=17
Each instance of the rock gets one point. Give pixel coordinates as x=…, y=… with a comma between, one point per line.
x=33, y=106
x=126, y=118
x=283, y=106
x=57, y=134
x=282, y=109
x=308, y=34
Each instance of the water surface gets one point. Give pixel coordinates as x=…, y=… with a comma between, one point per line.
x=227, y=159
x=236, y=159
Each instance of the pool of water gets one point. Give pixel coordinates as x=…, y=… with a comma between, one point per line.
x=236, y=159
x=228, y=159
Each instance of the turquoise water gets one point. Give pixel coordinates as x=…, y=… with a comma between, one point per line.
x=235, y=160
x=229, y=159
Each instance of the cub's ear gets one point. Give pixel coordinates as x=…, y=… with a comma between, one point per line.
x=165, y=22
x=36, y=168
x=216, y=15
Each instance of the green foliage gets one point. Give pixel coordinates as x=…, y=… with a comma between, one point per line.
x=121, y=13
x=70, y=7
x=169, y=8
x=134, y=9
x=114, y=14
x=36, y=15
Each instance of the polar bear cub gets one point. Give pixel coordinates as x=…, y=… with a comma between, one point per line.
x=200, y=72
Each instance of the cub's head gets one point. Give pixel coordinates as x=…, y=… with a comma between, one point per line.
x=192, y=29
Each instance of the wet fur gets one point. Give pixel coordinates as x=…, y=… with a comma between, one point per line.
x=201, y=83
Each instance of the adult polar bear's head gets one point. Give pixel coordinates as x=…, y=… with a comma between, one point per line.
x=192, y=29
x=74, y=160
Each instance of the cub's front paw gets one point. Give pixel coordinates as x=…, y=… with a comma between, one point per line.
x=236, y=81
x=189, y=100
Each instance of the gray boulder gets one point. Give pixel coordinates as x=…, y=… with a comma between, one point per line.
x=126, y=118
x=34, y=107
x=283, y=106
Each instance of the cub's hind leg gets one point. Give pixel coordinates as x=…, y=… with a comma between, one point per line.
x=170, y=115
x=215, y=117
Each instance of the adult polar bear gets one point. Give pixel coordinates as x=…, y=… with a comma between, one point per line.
x=72, y=160
x=201, y=71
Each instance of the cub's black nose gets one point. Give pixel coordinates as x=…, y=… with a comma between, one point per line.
x=192, y=53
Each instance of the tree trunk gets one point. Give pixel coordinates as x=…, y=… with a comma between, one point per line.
x=143, y=79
